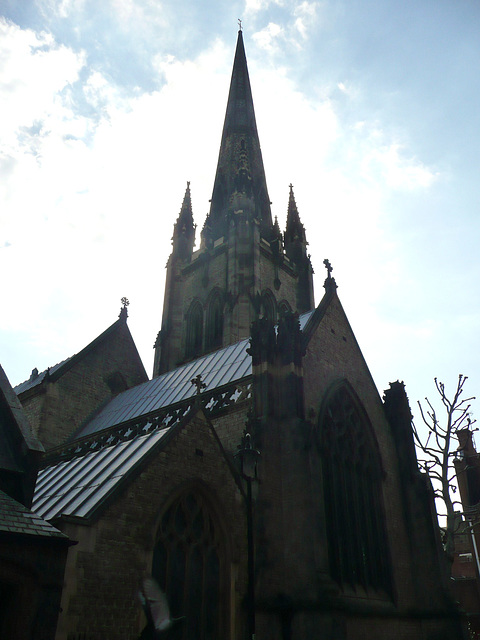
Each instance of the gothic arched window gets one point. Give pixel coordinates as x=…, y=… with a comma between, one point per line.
x=214, y=329
x=352, y=479
x=194, y=340
x=188, y=563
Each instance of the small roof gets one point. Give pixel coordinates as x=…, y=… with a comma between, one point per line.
x=15, y=518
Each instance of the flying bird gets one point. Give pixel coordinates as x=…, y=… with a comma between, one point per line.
x=156, y=608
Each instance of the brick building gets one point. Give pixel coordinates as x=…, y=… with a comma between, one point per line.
x=144, y=474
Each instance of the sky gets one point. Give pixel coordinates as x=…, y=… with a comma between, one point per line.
x=370, y=108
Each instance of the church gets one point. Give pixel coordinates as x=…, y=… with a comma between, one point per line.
x=258, y=476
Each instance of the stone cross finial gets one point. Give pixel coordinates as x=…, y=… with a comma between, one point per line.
x=328, y=267
x=197, y=382
x=123, y=311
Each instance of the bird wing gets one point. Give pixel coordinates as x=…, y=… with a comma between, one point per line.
x=157, y=603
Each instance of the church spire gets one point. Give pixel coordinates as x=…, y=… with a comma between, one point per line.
x=184, y=229
x=240, y=182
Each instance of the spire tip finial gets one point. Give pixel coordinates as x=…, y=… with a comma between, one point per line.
x=240, y=24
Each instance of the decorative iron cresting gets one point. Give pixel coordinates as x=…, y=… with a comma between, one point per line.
x=213, y=403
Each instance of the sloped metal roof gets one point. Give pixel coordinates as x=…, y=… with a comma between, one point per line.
x=218, y=368
x=75, y=487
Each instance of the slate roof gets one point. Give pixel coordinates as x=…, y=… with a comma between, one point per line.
x=15, y=518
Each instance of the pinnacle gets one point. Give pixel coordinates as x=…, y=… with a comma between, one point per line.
x=186, y=209
x=295, y=228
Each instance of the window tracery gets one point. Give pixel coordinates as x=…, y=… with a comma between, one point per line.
x=352, y=481
x=187, y=563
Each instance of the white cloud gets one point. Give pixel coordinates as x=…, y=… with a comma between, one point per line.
x=61, y=8
x=95, y=205
x=255, y=6
x=33, y=72
x=294, y=19
x=390, y=164
x=305, y=17
x=267, y=39
x=148, y=14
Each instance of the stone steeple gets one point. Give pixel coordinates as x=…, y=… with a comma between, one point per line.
x=240, y=183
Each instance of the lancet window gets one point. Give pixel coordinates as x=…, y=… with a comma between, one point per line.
x=352, y=480
x=187, y=563
x=214, y=330
x=194, y=341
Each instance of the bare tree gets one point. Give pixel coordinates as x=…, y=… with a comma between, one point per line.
x=439, y=449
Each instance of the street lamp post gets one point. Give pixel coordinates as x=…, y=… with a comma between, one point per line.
x=248, y=457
